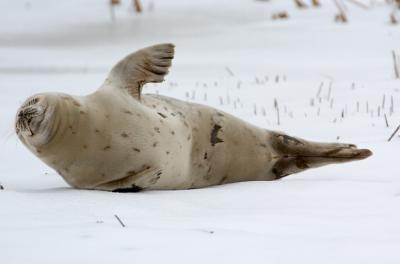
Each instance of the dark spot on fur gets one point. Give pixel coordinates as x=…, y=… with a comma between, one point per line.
x=145, y=167
x=172, y=132
x=275, y=171
x=173, y=114
x=154, y=106
x=263, y=145
x=138, y=115
x=107, y=116
x=219, y=114
x=155, y=144
x=97, y=131
x=106, y=148
x=136, y=149
x=159, y=173
x=127, y=112
x=214, y=135
x=124, y=135
x=132, y=189
x=162, y=115
x=165, y=108
x=167, y=152
x=82, y=112
x=185, y=124
x=189, y=137
x=84, y=146
x=205, y=155
x=157, y=129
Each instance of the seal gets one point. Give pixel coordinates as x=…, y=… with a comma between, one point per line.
x=118, y=139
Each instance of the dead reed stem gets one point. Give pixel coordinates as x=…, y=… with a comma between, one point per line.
x=119, y=220
x=394, y=133
x=395, y=65
x=137, y=6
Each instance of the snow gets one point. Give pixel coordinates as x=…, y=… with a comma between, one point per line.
x=228, y=55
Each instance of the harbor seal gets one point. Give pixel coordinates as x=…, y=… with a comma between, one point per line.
x=118, y=139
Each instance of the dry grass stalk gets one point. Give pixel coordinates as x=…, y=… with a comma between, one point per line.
x=396, y=65
x=393, y=19
x=137, y=6
x=383, y=101
x=277, y=111
x=120, y=221
x=229, y=71
x=112, y=12
x=341, y=17
x=391, y=105
x=386, y=120
x=280, y=15
x=316, y=3
x=394, y=133
x=319, y=90
x=300, y=4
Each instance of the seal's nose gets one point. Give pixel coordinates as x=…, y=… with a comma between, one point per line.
x=29, y=116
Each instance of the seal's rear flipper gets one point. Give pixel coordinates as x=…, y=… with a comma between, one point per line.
x=295, y=155
x=146, y=65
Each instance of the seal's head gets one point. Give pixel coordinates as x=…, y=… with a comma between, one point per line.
x=35, y=118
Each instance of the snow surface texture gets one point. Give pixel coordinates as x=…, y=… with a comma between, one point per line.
x=233, y=56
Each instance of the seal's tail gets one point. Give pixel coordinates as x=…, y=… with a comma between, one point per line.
x=294, y=154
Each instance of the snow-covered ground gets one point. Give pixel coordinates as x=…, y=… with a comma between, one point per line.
x=332, y=82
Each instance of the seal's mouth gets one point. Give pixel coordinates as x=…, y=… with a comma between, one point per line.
x=29, y=117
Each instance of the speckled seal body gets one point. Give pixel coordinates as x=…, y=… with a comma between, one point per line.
x=117, y=139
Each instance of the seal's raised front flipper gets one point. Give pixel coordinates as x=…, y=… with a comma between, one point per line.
x=146, y=65
x=295, y=155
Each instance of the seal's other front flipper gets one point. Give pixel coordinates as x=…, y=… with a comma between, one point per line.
x=133, y=182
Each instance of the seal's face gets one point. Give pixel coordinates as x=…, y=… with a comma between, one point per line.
x=34, y=118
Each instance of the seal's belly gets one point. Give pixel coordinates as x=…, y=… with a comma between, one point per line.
x=217, y=147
